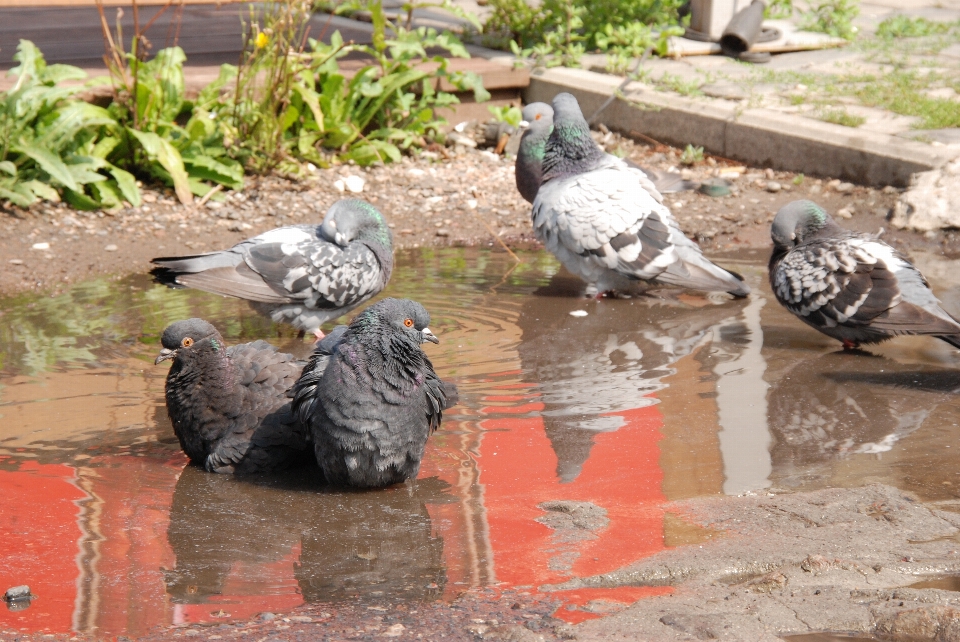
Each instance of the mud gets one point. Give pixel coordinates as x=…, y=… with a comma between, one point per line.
x=466, y=197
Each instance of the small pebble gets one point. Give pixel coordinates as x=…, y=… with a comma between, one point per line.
x=844, y=188
x=578, y=313
x=768, y=173
x=471, y=204
x=16, y=261
x=844, y=213
x=111, y=248
x=40, y=246
x=17, y=593
x=267, y=616
x=443, y=232
x=773, y=187
x=890, y=189
x=354, y=184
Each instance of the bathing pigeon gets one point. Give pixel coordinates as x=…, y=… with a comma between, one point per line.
x=229, y=406
x=606, y=222
x=304, y=275
x=848, y=285
x=537, y=124
x=371, y=405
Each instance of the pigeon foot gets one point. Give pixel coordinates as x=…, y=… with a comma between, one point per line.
x=850, y=345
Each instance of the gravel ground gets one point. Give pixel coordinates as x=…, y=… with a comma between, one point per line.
x=447, y=196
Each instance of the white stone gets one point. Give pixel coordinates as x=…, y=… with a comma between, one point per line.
x=40, y=246
x=110, y=248
x=354, y=183
x=578, y=313
x=932, y=202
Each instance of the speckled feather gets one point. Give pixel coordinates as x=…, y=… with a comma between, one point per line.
x=229, y=406
x=304, y=275
x=850, y=286
x=372, y=403
x=606, y=221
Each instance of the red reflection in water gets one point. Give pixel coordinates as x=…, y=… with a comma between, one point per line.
x=92, y=542
x=38, y=546
x=517, y=472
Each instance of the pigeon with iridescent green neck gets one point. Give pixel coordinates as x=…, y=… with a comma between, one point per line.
x=304, y=275
x=849, y=285
x=538, y=123
x=607, y=223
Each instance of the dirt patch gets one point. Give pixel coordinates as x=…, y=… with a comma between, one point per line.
x=456, y=196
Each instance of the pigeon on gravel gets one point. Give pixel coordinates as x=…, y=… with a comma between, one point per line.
x=372, y=403
x=537, y=124
x=607, y=223
x=849, y=285
x=304, y=275
x=229, y=406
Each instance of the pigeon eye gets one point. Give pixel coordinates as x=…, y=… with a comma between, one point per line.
x=408, y=323
x=538, y=117
x=187, y=342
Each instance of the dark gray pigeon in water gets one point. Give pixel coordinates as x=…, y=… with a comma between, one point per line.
x=537, y=124
x=372, y=403
x=304, y=275
x=849, y=285
x=607, y=223
x=229, y=406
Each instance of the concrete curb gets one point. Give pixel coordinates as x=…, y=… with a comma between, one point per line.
x=758, y=137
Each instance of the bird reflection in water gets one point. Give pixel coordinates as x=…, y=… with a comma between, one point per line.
x=590, y=370
x=837, y=405
x=233, y=538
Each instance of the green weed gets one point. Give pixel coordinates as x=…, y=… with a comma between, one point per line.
x=902, y=26
x=840, y=116
x=691, y=155
x=832, y=17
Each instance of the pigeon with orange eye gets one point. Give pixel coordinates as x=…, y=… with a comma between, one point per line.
x=373, y=402
x=229, y=406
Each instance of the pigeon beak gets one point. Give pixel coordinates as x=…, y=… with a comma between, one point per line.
x=429, y=336
x=165, y=354
x=524, y=124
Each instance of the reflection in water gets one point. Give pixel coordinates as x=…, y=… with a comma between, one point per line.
x=590, y=370
x=571, y=435
x=230, y=536
x=742, y=405
x=827, y=408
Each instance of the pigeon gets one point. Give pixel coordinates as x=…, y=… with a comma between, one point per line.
x=304, y=275
x=849, y=285
x=229, y=406
x=537, y=124
x=607, y=223
x=372, y=403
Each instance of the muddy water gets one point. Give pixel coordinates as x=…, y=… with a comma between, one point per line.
x=573, y=435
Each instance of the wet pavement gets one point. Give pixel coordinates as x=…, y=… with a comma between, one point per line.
x=573, y=435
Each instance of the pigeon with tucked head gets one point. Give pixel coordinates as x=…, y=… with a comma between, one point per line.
x=304, y=275
x=849, y=285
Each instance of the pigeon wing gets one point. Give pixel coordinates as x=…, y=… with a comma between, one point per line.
x=319, y=274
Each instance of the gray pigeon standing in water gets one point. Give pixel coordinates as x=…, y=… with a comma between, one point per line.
x=304, y=275
x=848, y=285
x=537, y=124
x=229, y=406
x=371, y=405
x=606, y=222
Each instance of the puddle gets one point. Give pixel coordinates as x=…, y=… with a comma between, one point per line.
x=946, y=583
x=572, y=434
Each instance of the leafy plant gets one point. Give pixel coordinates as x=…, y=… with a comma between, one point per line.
x=779, y=10
x=691, y=155
x=627, y=42
x=290, y=102
x=507, y=114
x=528, y=26
x=149, y=105
x=52, y=145
x=832, y=17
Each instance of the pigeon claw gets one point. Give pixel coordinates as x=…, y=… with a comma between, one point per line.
x=850, y=345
